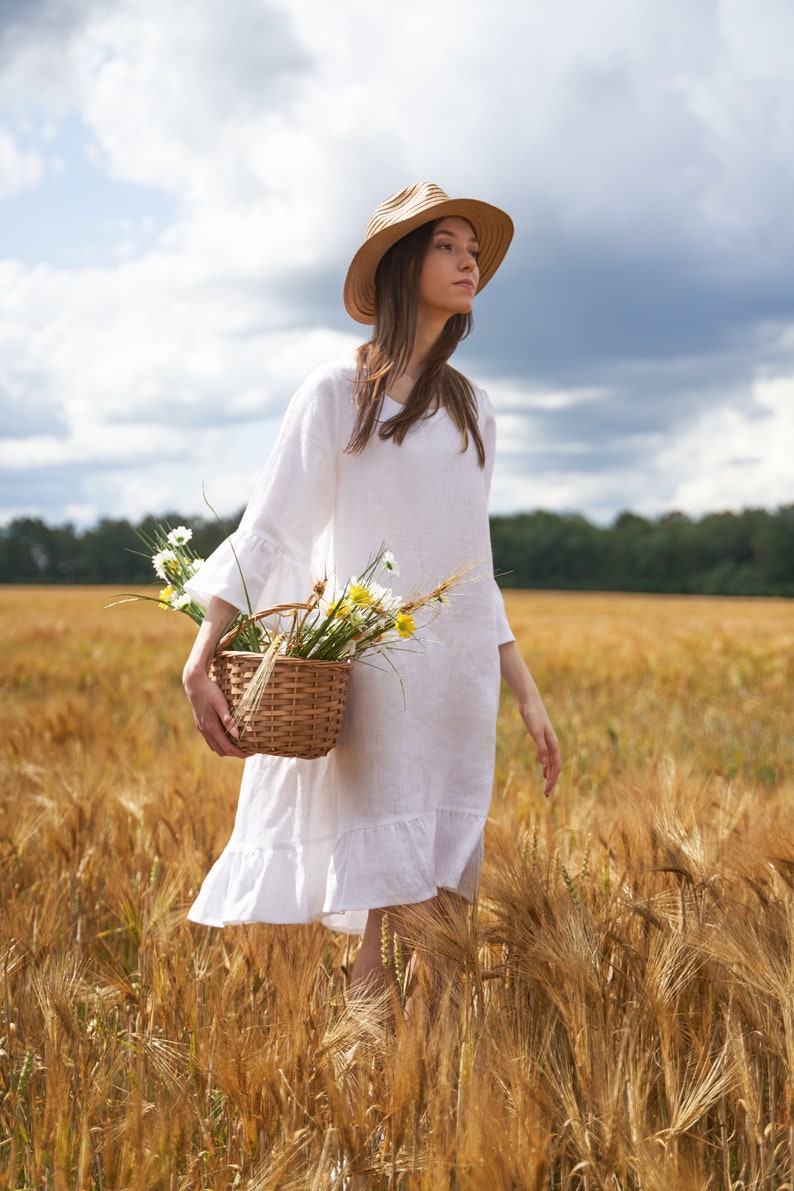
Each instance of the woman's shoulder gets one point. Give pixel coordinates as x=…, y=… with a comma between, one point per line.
x=335, y=376
x=485, y=409
x=322, y=397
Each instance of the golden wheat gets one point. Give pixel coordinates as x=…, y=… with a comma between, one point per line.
x=617, y=1011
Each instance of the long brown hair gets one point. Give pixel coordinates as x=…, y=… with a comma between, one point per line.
x=386, y=355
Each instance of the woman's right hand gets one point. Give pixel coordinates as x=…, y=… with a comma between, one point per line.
x=211, y=713
x=210, y=709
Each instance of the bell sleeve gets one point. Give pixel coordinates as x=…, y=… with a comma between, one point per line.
x=275, y=554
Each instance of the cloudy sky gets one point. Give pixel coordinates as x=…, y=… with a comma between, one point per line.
x=182, y=185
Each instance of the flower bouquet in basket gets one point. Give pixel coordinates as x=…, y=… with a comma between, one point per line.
x=284, y=670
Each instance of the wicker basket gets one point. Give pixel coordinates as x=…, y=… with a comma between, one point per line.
x=301, y=710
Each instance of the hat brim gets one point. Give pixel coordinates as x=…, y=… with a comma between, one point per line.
x=493, y=228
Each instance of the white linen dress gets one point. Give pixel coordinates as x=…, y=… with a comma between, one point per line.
x=397, y=810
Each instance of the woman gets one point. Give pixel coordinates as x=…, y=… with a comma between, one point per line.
x=391, y=447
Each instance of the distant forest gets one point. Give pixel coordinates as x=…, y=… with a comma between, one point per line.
x=749, y=553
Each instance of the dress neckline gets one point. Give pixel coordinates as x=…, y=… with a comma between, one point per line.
x=401, y=405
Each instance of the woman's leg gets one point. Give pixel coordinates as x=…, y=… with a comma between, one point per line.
x=405, y=923
x=369, y=975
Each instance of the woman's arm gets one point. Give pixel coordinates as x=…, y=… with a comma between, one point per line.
x=210, y=709
x=533, y=713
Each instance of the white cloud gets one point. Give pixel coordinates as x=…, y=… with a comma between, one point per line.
x=19, y=170
x=146, y=369
x=732, y=460
x=633, y=143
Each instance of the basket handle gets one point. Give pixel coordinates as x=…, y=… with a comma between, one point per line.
x=277, y=609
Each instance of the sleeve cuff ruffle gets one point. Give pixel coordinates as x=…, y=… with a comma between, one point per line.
x=248, y=562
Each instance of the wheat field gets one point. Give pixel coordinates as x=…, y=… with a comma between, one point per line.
x=616, y=1012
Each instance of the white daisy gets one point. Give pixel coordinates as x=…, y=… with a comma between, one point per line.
x=165, y=564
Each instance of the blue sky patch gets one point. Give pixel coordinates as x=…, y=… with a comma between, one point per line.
x=78, y=216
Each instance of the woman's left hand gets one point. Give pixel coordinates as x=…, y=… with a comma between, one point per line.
x=533, y=713
x=539, y=727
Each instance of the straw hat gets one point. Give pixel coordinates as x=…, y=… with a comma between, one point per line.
x=407, y=210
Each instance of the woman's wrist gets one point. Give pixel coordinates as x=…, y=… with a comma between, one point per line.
x=197, y=666
x=516, y=674
x=218, y=618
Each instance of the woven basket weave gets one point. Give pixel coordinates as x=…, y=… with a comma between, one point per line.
x=302, y=706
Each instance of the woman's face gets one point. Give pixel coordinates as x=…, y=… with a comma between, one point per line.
x=449, y=275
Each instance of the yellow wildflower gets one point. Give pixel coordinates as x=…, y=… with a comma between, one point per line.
x=359, y=595
x=405, y=624
x=166, y=595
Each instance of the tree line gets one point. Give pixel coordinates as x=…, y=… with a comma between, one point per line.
x=749, y=553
